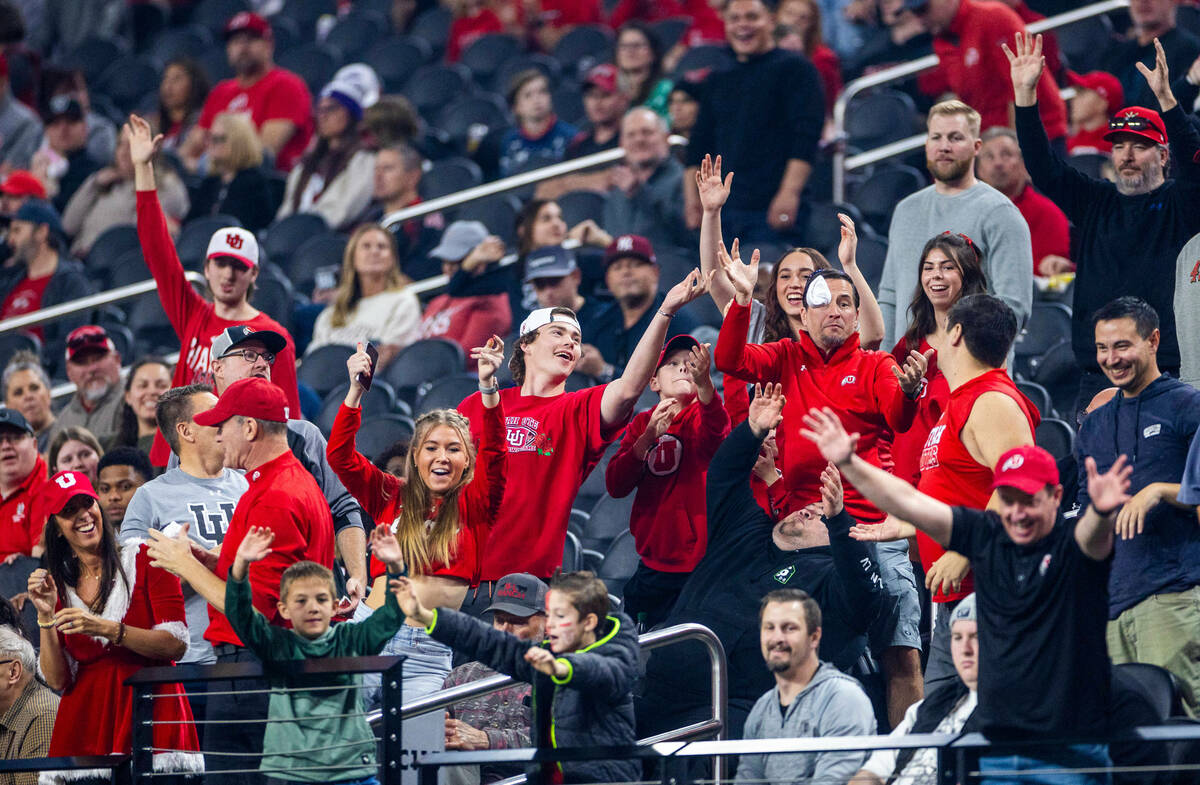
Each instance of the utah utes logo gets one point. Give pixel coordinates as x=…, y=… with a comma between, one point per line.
x=664, y=459
x=233, y=241
x=1015, y=462
x=66, y=481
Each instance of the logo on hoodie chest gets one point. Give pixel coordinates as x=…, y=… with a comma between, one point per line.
x=785, y=575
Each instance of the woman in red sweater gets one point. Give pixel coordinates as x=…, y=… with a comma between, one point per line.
x=441, y=514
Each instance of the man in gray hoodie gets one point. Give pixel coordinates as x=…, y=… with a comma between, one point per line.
x=810, y=699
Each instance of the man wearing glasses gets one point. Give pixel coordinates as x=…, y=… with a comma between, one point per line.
x=1128, y=232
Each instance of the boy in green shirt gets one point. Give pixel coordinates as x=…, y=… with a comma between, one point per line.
x=318, y=736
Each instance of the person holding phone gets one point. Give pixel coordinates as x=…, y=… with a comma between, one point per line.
x=441, y=515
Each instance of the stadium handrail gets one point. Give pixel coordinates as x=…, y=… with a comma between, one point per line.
x=678, y=633
x=843, y=164
x=90, y=302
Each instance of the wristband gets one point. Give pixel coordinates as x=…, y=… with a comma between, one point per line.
x=45, y=625
x=495, y=388
x=664, y=313
x=120, y=635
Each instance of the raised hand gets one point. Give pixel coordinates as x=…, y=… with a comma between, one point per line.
x=764, y=464
x=948, y=571
x=544, y=660
x=142, y=143
x=43, y=593
x=913, y=372
x=824, y=429
x=1159, y=79
x=713, y=191
x=256, y=545
x=358, y=364
x=831, y=491
x=742, y=277
x=890, y=530
x=848, y=246
x=489, y=358
x=386, y=547
x=491, y=249
x=701, y=364
x=1025, y=67
x=693, y=285
x=1108, y=491
x=766, y=410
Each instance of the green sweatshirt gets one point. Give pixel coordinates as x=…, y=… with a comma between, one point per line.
x=307, y=735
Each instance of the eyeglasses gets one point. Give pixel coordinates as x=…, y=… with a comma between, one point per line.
x=1132, y=123
x=251, y=356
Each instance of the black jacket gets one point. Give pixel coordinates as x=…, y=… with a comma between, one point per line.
x=591, y=707
x=741, y=565
x=1122, y=245
x=247, y=197
x=67, y=282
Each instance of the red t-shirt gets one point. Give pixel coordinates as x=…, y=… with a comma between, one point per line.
x=707, y=29
x=278, y=95
x=195, y=319
x=465, y=30
x=21, y=515
x=1090, y=141
x=949, y=473
x=669, y=519
x=379, y=492
x=906, y=446
x=859, y=385
x=468, y=321
x=646, y=11
x=560, y=13
x=554, y=442
x=26, y=297
x=1048, y=226
x=284, y=497
x=972, y=65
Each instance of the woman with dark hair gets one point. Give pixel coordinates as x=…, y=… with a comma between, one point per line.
x=76, y=449
x=951, y=267
x=335, y=177
x=181, y=94
x=639, y=60
x=149, y=378
x=105, y=613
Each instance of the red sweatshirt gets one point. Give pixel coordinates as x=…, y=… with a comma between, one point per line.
x=857, y=384
x=669, y=521
x=379, y=492
x=195, y=319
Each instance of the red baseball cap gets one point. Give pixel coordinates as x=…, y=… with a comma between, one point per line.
x=253, y=397
x=1028, y=469
x=1139, y=121
x=673, y=345
x=630, y=245
x=89, y=338
x=65, y=486
x=603, y=76
x=23, y=183
x=1102, y=82
x=248, y=22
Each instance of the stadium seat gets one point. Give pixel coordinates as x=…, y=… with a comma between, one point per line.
x=152, y=331
x=484, y=56
x=423, y=361
x=1056, y=437
x=877, y=196
x=191, y=41
x=577, y=521
x=274, y=294
x=357, y=31
x=881, y=116
x=324, y=368
x=108, y=247
x=378, y=400
x=498, y=213
x=550, y=67
x=215, y=65
x=11, y=343
x=568, y=103
x=122, y=338
x=1058, y=372
x=1039, y=395
x=192, y=244
x=436, y=85
x=450, y=175
x=213, y=14
x=592, y=489
x=124, y=82
x=434, y=27
x=396, y=59
x=572, y=553
x=322, y=250
x=305, y=13
x=281, y=239
x=669, y=31
x=93, y=55
x=871, y=254
x=445, y=393
x=1084, y=43
x=700, y=57
x=314, y=63
x=580, y=205
x=1157, y=684
x=583, y=47
x=381, y=431
x=620, y=563
x=824, y=230
x=609, y=518
x=1091, y=164
x=1049, y=324
x=146, y=20
x=470, y=118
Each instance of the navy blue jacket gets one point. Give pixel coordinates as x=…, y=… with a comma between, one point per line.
x=1155, y=430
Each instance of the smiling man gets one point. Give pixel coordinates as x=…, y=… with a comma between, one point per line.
x=94, y=367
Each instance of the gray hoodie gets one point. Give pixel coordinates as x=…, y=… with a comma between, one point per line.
x=833, y=704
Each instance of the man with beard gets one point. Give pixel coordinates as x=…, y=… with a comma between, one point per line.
x=957, y=202
x=1126, y=233
x=277, y=99
x=810, y=699
x=94, y=367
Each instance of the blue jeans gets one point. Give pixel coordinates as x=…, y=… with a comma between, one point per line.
x=425, y=669
x=1078, y=756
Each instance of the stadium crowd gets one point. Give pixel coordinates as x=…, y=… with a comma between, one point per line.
x=947, y=481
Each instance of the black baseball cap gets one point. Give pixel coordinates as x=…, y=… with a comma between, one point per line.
x=230, y=337
x=520, y=594
x=12, y=418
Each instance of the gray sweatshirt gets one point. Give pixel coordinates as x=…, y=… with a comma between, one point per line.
x=1187, y=311
x=833, y=704
x=982, y=213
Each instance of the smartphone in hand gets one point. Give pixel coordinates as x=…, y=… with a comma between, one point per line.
x=373, y=353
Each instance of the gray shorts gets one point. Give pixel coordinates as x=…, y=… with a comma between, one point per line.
x=902, y=626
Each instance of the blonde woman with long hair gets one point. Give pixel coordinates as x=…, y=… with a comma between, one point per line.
x=441, y=514
x=372, y=301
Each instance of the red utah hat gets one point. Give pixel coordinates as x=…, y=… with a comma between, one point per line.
x=1103, y=83
x=253, y=397
x=65, y=486
x=1028, y=469
x=1139, y=121
x=683, y=341
x=23, y=183
x=248, y=22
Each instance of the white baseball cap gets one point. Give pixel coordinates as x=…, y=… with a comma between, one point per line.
x=236, y=242
x=544, y=316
